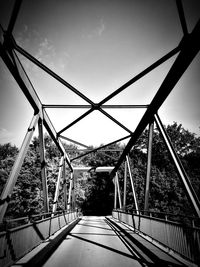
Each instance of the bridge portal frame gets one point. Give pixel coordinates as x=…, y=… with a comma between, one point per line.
x=187, y=49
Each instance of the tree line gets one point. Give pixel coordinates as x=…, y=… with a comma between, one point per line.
x=95, y=191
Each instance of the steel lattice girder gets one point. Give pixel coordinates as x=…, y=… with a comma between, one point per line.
x=23, y=81
x=190, y=46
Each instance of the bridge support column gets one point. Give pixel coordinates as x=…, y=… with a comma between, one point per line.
x=69, y=204
x=125, y=185
x=118, y=190
x=180, y=169
x=64, y=187
x=148, y=174
x=132, y=184
x=17, y=166
x=58, y=184
x=43, y=165
x=115, y=194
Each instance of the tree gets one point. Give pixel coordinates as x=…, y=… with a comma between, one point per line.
x=99, y=195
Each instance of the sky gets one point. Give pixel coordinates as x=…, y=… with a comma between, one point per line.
x=97, y=46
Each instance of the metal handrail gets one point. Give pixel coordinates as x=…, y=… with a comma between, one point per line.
x=18, y=241
x=178, y=237
x=178, y=218
x=15, y=222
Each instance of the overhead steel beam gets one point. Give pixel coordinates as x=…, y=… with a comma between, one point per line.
x=141, y=74
x=90, y=111
x=114, y=120
x=182, y=16
x=69, y=86
x=190, y=46
x=51, y=130
x=75, y=121
x=89, y=106
x=123, y=106
x=179, y=167
x=14, y=15
x=21, y=78
x=73, y=141
x=50, y=72
x=98, y=148
x=92, y=149
x=15, y=67
x=67, y=106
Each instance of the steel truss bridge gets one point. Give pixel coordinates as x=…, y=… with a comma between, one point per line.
x=67, y=238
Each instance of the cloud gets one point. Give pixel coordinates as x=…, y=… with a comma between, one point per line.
x=101, y=27
x=5, y=136
x=43, y=49
x=95, y=30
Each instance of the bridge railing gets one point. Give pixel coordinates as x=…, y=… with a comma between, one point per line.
x=30, y=232
x=181, y=238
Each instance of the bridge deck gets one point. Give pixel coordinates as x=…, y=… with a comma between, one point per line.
x=94, y=241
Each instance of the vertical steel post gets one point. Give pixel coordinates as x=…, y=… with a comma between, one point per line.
x=132, y=184
x=57, y=185
x=70, y=192
x=148, y=173
x=180, y=169
x=43, y=165
x=17, y=166
x=64, y=187
x=115, y=195
x=125, y=184
x=73, y=193
x=119, y=193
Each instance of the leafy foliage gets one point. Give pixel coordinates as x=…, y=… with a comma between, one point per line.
x=95, y=191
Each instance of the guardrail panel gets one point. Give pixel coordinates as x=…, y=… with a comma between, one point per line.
x=183, y=240
x=15, y=243
x=43, y=227
x=24, y=240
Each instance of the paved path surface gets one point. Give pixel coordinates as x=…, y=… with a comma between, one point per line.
x=92, y=242
x=97, y=241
